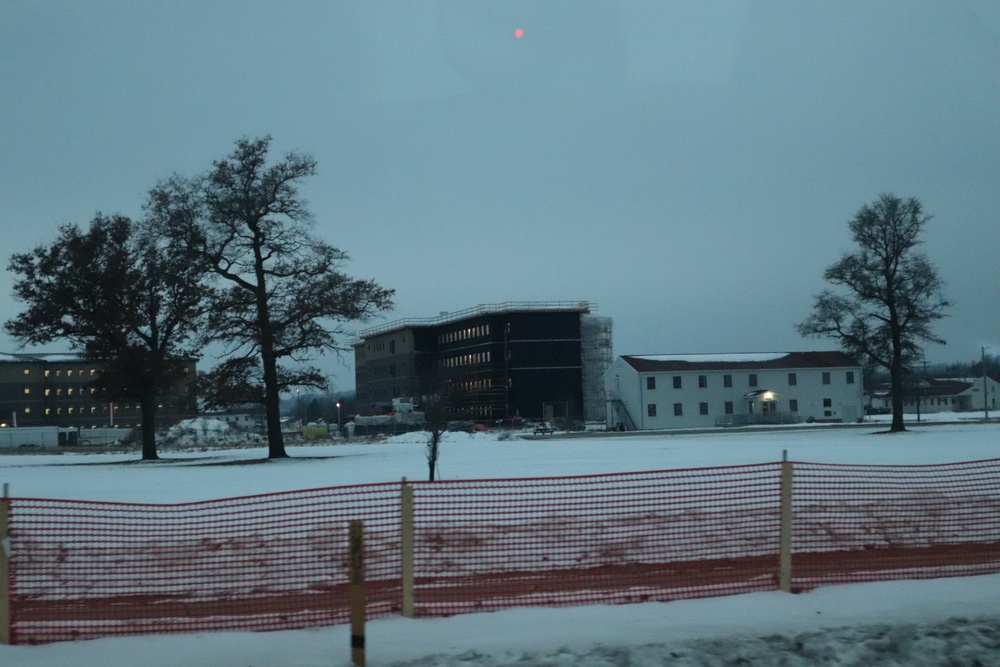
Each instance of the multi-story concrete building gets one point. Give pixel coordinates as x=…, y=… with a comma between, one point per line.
x=699, y=390
x=533, y=360
x=55, y=390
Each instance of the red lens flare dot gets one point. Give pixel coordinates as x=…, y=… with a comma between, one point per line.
x=518, y=33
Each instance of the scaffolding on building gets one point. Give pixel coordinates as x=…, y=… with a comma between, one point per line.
x=595, y=356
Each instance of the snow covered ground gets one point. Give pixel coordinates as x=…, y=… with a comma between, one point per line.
x=940, y=622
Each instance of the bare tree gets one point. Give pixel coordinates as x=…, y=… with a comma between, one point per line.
x=283, y=296
x=121, y=296
x=890, y=293
x=436, y=410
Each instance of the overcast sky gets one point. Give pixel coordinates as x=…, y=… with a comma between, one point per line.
x=688, y=167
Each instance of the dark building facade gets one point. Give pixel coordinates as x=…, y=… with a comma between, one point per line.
x=55, y=390
x=534, y=360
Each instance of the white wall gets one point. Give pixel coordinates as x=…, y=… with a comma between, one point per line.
x=845, y=399
x=992, y=394
x=621, y=383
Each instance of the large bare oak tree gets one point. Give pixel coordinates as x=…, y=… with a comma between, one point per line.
x=281, y=293
x=889, y=293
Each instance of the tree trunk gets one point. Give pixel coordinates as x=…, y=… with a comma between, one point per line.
x=272, y=405
x=432, y=454
x=147, y=407
x=896, y=377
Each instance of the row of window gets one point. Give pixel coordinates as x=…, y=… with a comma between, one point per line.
x=728, y=408
x=384, y=370
x=479, y=385
x=93, y=410
x=464, y=334
x=930, y=401
x=466, y=360
x=70, y=391
x=69, y=372
x=727, y=380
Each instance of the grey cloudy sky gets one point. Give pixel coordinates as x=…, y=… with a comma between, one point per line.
x=689, y=167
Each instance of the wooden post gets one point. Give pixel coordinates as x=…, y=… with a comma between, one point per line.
x=356, y=592
x=6, y=613
x=406, y=547
x=785, y=546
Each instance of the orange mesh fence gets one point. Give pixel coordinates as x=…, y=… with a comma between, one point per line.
x=268, y=562
x=493, y=544
x=280, y=561
x=858, y=523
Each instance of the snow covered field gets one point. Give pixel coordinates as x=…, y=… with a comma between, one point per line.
x=939, y=622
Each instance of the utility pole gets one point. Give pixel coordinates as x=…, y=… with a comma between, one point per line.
x=986, y=402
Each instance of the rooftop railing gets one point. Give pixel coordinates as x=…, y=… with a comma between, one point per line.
x=482, y=309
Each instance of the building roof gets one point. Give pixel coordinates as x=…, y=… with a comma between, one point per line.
x=738, y=362
x=476, y=311
x=22, y=357
x=57, y=357
x=947, y=387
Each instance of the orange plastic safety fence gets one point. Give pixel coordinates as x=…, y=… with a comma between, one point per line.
x=268, y=562
x=860, y=523
x=486, y=545
x=280, y=561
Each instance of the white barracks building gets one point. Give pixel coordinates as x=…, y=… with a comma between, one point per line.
x=649, y=392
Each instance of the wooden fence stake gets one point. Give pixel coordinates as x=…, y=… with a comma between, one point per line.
x=406, y=536
x=785, y=546
x=6, y=613
x=356, y=592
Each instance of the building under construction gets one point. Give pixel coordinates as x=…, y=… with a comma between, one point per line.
x=529, y=360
